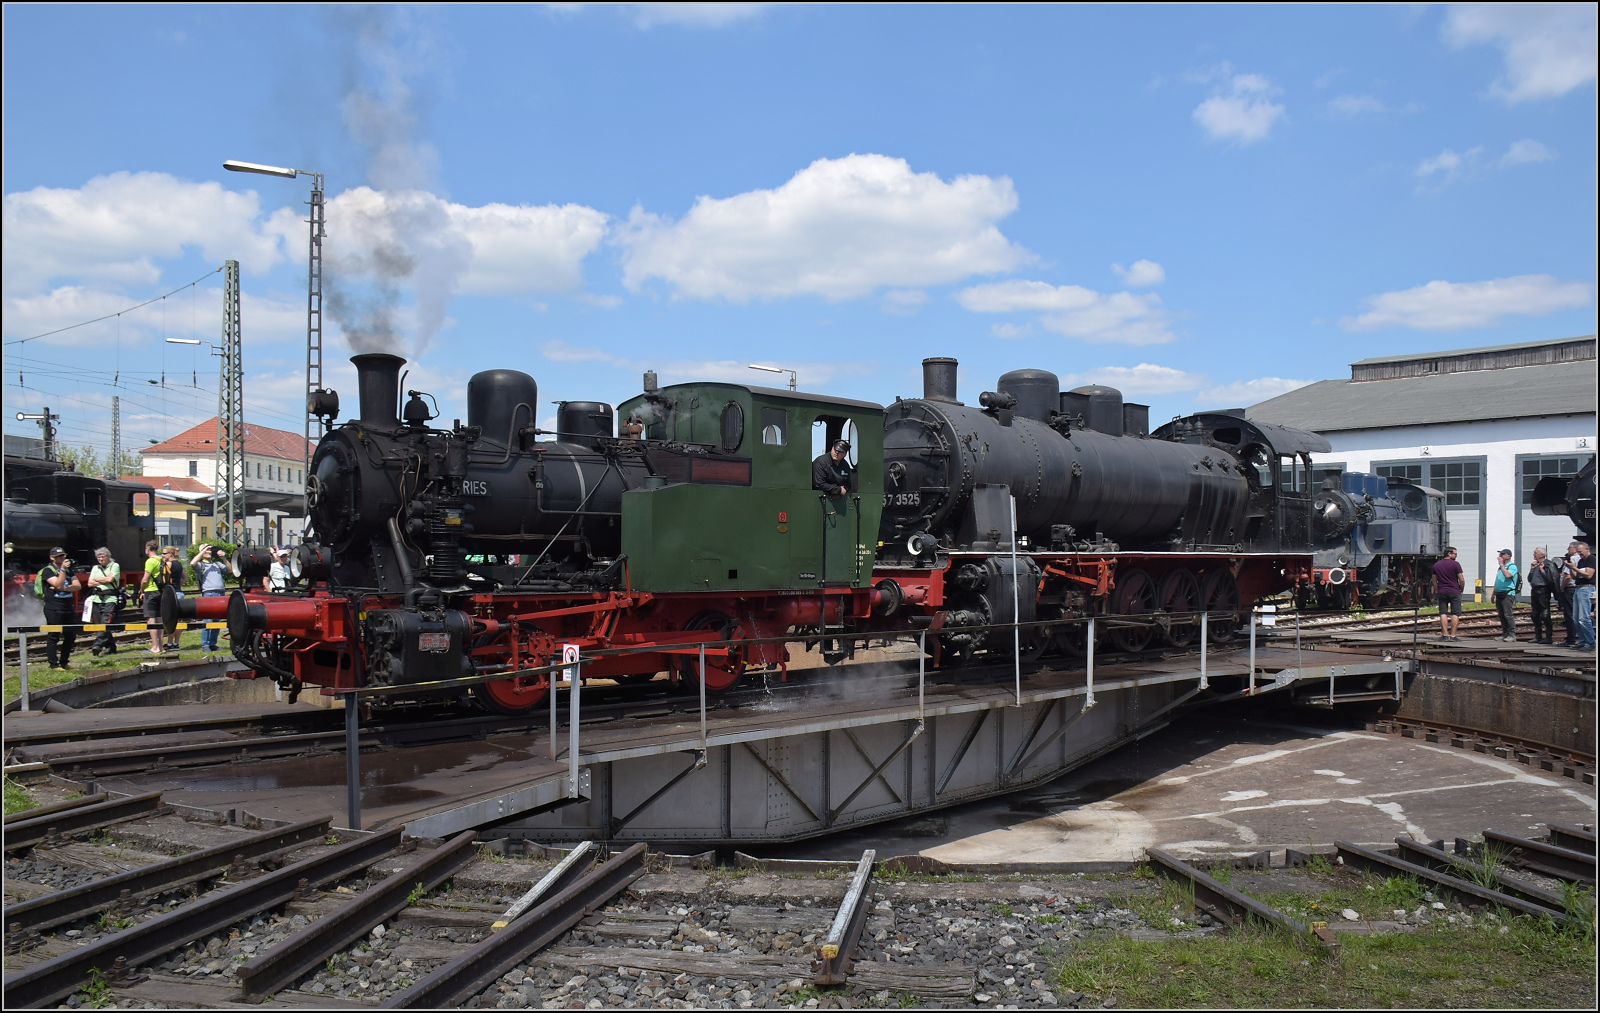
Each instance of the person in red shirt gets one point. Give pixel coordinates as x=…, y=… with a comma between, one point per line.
x=1447, y=572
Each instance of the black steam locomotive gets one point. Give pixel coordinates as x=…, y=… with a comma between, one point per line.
x=46, y=507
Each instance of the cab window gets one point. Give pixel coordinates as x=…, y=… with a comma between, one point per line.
x=1293, y=474
x=775, y=427
x=92, y=501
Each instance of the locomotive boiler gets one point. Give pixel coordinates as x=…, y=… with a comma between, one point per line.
x=398, y=504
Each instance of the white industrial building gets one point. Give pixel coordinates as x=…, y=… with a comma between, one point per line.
x=1482, y=425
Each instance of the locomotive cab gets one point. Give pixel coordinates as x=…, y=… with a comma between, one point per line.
x=730, y=504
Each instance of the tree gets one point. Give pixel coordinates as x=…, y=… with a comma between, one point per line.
x=86, y=460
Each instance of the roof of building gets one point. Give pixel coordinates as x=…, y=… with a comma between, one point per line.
x=1459, y=353
x=1331, y=406
x=261, y=440
x=175, y=483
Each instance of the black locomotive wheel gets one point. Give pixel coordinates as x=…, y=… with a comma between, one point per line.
x=1220, y=594
x=722, y=671
x=1179, y=593
x=1135, y=595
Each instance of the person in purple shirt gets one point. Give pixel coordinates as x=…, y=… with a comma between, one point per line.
x=1447, y=572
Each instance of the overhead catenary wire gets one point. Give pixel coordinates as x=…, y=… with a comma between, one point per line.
x=119, y=313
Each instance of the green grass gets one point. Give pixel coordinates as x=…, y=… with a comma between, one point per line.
x=1531, y=964
x=130, y=654
x=17, y=798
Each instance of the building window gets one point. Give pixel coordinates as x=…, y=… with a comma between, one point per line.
x=1532, y=471
x=258, y=469
x=194, y=468
x=1460, y=483
x=1411, y=472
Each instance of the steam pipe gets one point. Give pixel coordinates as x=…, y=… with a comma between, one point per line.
x=400, y=554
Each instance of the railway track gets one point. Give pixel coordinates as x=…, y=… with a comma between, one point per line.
x=1558, y=760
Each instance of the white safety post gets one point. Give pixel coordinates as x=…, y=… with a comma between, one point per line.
x=569, y=658
x=1252, y=651
x=1016, y=578
x=1203, y=682
x=1088, y=700
x=702, y=703
x=1397, y=679
x=22, y=667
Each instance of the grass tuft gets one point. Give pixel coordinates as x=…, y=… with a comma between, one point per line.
x=18, y=799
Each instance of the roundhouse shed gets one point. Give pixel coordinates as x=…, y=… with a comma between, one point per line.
x=1482, y=425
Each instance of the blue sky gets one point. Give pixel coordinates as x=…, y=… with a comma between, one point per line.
x=1204, y=206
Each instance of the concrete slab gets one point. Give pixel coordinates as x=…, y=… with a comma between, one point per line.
x=1233, y=783
x=1098, y=837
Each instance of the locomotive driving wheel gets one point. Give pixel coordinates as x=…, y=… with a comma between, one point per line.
x=1178, y=593
x=1135, y=595
x=1219, y=593
x=722, y=672
x=516, y=695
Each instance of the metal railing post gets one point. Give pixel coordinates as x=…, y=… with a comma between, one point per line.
x=1088, y=700
x=352, y=760
x=1252, y=650
x=1204, y=683
x=575, y=678
x=22, y=667
x=1016, y=630
x=702, y=703
x=555, y=752
x=922, y=674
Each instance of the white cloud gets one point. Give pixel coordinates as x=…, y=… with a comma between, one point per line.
x=1142, y=274
x=1011, y=330
x=1449, y=306
x=693, y=15
x=114, y=228
x=1448, y=165
x=904, y=301
x=1077, y=312
x=1146, y=379
x=1248, y=392
x=1150, y=380
x=1550, y=48
x=1524, y=151
x=437, y=249
x=838, y=229
x=813, y=374
x=1244, y=112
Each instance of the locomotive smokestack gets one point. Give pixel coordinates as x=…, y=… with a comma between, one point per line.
x=939, y=379
x=379, y=378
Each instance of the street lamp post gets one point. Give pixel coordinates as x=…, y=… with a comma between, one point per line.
x=794, y=377
x=318, y=225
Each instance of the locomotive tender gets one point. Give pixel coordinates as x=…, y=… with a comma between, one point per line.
x=480, y=549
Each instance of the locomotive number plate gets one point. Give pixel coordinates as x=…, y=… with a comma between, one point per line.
x=435, y=643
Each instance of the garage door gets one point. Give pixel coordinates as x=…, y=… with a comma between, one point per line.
x=1466, y=534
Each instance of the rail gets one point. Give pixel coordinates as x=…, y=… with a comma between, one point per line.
x=1355, y=856
x=50, y=980
x=1231, y=907
x=120, y=889
x=479, y=967
x=29, y=832
x=836, y=953
x=304, y=950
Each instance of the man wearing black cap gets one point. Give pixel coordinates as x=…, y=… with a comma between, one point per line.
x=1507, y=582
x=55, y=589
x=831, y=473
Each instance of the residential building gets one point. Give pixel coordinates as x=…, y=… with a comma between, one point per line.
x=274, y=483
x=1482, y=425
